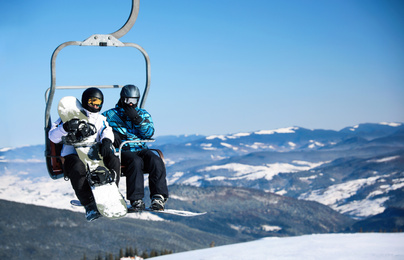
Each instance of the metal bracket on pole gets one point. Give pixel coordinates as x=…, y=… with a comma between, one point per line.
x=102, y=40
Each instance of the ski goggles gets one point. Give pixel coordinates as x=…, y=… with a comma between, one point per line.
x=131, y=100
x=94, y=101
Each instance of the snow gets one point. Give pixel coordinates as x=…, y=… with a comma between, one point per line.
x=174, y=177
x=287, y=130
x=239, y=135
x=225, y=137
x=268, y=171
x=258, y=145
x=175, y=197
x=269, y=228
x=336, y=195
x=193, y=181
x=386, y=159
x=315, y=144
x=363, y=208
x=391, y=124
x=208, y=147
x=5, y=149
x=221, y=137
x=369, y=246
x=229, y=146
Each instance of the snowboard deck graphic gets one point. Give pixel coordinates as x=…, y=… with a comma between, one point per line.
x=182, y=213
x=107, y=196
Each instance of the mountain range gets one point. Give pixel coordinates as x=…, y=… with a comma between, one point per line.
x=357, y=171
x=282, y=182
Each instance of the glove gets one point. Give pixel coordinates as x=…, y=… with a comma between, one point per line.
x=133, y=114
x=117, y=139
x=106, y=147
x=71, y=125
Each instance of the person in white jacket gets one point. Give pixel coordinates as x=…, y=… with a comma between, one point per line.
x=92, y=100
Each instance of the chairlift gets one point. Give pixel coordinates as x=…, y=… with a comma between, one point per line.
x=52, y=153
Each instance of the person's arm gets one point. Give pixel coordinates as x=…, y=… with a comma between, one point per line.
x=145, y=129
x=57, y=132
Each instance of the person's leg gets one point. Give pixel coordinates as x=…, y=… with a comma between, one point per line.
x=133, y=166
x=154, y=165
x=75, y=169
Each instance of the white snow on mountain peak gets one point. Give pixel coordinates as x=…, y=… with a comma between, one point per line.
x=237, y=135
x=287, y=130
x=391, y=124
x=5, y=149
x=221, y=137
x=226, y=137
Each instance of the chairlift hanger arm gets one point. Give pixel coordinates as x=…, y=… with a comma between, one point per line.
x=130, y=22
x=94, y=40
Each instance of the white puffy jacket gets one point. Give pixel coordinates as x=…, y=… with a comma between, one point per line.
x=103, y=131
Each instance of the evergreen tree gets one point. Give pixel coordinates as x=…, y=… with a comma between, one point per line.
x=153, y=253
x=145, y=255
x=120, y=253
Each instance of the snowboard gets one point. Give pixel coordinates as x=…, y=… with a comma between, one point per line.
x=182, y=213
x=108, y=199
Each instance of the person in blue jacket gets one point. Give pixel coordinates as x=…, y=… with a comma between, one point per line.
x=130, y=122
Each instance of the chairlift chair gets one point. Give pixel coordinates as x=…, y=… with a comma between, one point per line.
x=54, y=161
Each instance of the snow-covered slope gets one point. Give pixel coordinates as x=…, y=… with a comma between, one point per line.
x=369, y=246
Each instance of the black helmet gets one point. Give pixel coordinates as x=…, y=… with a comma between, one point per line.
x=130, y=94
x=92, y=99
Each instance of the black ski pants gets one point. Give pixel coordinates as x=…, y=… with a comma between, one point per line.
x=138, y=163
x=75, y=169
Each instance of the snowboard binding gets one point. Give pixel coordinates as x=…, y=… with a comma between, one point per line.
x=99, y=176
x=84, y=130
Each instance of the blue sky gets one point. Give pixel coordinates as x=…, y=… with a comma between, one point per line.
x=217, y=67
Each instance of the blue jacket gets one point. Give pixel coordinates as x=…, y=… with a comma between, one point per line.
x=127, y=130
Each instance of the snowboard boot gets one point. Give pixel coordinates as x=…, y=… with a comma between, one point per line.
x=137, y=206
x=92, y=212
x=157, y=202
